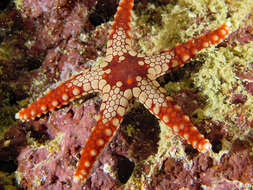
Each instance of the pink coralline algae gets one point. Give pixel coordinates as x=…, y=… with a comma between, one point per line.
x=231, y=171
x=118, y=85
x=63, y=37
x=51, y=165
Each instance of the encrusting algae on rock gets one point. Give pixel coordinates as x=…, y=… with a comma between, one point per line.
x=217, y=80
x=213, y=90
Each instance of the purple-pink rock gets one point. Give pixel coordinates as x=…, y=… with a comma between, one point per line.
x=62, y=37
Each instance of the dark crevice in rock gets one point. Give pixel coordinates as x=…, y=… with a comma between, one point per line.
x=103, y=12
x=216, y=146
x=8, y=166
x=125, y=169
x=4, y=4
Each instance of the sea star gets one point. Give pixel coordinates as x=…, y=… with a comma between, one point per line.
x=124, y=75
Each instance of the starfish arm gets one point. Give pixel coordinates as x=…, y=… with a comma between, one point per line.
x=119, y=41
x=163, y=107
x=109, y=120
x=182, y=53
x=79, y=85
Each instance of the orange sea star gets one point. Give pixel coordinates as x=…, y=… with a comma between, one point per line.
x=124, y=75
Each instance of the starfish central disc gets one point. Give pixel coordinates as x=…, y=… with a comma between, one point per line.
x=125, y=71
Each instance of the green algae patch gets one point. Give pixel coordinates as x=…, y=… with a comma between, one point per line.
x=52, y=146
x=6, y=23
x=18, y=4
x=217, y=80
x=178, y=23
x=6, y=181
x=169, y=146
x=187, y=19
x=8, y=54
x=7, y=112
x=239, y=11
x=186, y=25
x=7, y=51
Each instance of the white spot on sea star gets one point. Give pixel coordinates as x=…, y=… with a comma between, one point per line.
x=186, y=57
x=136, y=91
x=165, y=67
x=121, y=58
x=65, y=97
x=33, y=112
x=207, y=145
x=119, y=83
x=205, y=44
x=215, y=37
x=112, y=103
x=123, y=101
x=142, y=97
x=141, y=63
x=132, y=53
x=186, y=118
x=108, y=132
x=156, y=109
x=101, y=84
x=158, y=69
x=107, y=88
x=17, y=116
x=87, y=164
x=151, y=71
x=102, y=107
x=186, y=136
x=76, y=179
x=43, y=108
x=121, y=111
x=55, y=103
x=165, y=119
x=148, y=103
x=86, y=87
x=175, y=128
x=93, y=152
x=76, y=91
x=223, y=32
x=128, y=93
x=94, y=84
x=174, y=63
x=138, y=78
x=100, y=142
x=177, y=107
x=25, y=117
